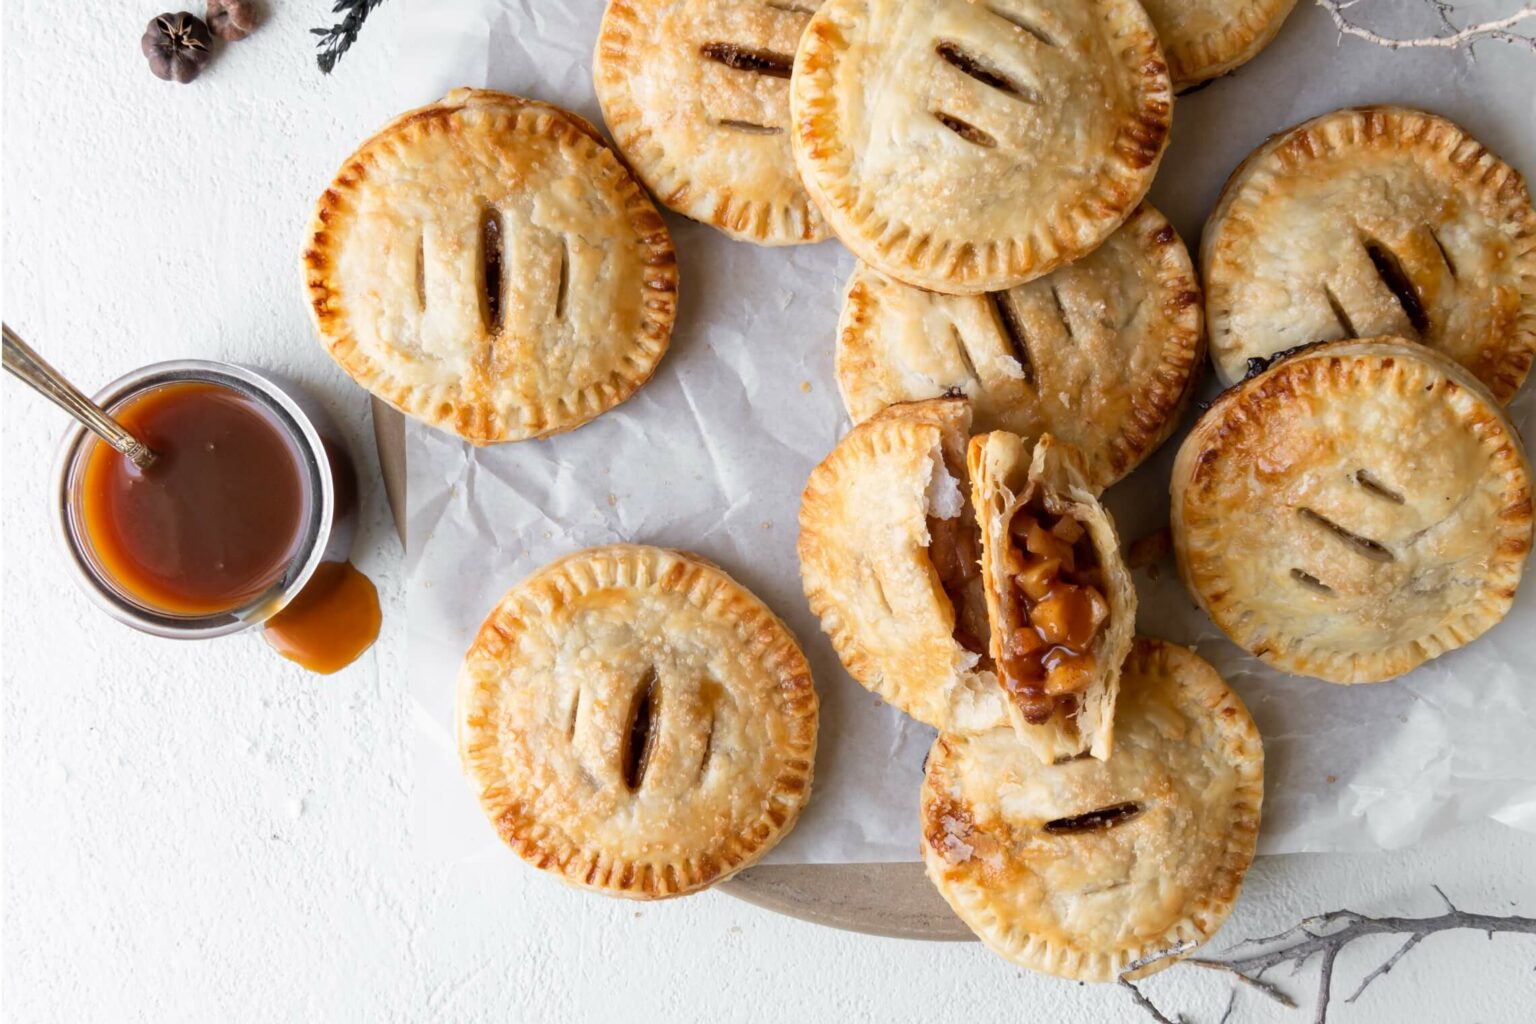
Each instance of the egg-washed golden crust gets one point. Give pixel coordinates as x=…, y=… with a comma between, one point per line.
x=1103, y=353
x=866, y=570
x=696, y=94
x=1008, y=474
x=1357, y=509
x=966, y=147
x=1206, y=38
x=1007, y=843
x=582, y=293
x=1374, y=221
x=624, y=645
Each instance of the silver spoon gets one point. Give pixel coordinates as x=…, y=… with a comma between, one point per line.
x=32, y=370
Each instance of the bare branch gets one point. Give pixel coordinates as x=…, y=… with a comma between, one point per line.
x=1231, y=1005
x=1325, y=936
x=1413, y=940
x=1147, y=1004
x=1237, y=975
x=1500, y=30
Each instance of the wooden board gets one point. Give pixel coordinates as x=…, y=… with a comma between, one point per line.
x=894, y=900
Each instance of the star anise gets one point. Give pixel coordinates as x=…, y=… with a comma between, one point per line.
x=177, y=46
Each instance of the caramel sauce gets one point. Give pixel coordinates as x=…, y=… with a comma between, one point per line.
x=218, y=517
x=333, y=620
x=1053, y=610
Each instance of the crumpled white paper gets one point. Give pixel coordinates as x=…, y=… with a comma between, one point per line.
x=711, y=456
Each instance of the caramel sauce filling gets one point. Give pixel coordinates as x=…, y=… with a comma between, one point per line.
x=1052, y=610
x=954, y=547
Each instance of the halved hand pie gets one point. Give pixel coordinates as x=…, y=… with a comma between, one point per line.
x=1081, y=868
x=890, y=561
x=1102, y=353
x=1060, y=600
x=1355, y=510
x=488, y=265
x=1206, y=38
x=969, y=147
x=1374, y=221
x=636, y=722
x=696, y=93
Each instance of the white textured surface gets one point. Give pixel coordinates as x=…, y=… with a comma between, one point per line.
x=204, y=833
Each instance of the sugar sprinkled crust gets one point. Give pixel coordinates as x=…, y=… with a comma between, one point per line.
x=1007, y=842
x=696, y=93
x=967, y=147
x=1102, y=353
x=547, y=701
x=397, y=257
x=1357, y=509
x=1206, y=38
x=1374, y=221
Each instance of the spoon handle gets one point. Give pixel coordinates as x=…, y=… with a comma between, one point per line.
x=31, y=369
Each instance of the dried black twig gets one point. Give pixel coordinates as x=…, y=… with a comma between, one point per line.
x=1499, y=30
x=1324, y=936
x=338, y=39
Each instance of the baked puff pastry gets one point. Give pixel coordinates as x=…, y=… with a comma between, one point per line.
x=1374, y=221
x=890, y=562
x=1206, y=38
x=1353, y=511
x=1082, y=868
x=1102, y=353
x=968, y=147
x=637, y=723
x=696, y=94
x=488, y=265
x=1061, y=603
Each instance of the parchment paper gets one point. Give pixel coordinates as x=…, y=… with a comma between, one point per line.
x=712, y=454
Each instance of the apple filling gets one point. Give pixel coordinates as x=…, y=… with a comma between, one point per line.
x=1052, y=611
x=954, y=548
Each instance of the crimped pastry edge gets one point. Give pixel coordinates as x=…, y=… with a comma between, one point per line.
x=1506, y=566
x=478, y=421
x=708, y=588
x=1205, y=692
x=1070, y=235
x=1502, y=186
x=1150, y=424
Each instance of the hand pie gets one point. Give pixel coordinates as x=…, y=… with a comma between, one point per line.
x=1355, y=510
x=696, y=93
x=487, y=265
x=1206, y=38
x=1060, y=600
x=1102, y=353
x=889, y=557
x=1374, y=221
x=1081, y=868
x=637, y=723
x=967, y=147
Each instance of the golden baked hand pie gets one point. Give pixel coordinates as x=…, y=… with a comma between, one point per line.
x=890, y=561
x=1355, y=510
x=968, y=147
x=1206, y=38
x=1081, y=868
x=1374, y=221
x=488, y=265
x=696, y=93
x=1060, y=600
x=1102, y=353
x=636, y=722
